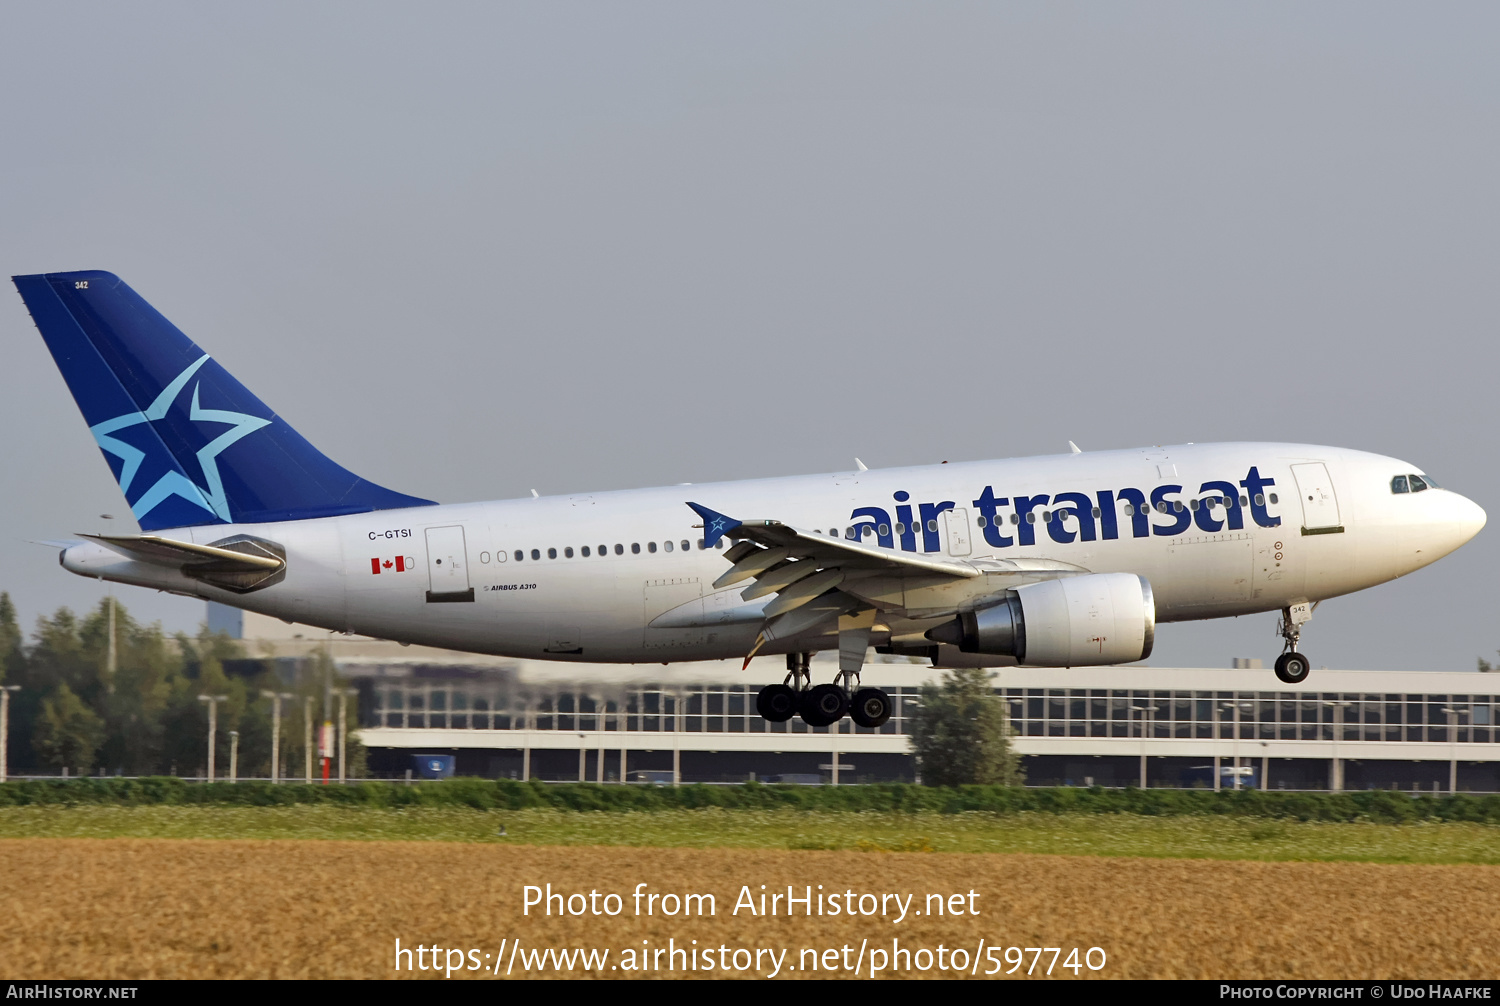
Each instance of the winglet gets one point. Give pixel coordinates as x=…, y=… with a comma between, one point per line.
x=715, y=525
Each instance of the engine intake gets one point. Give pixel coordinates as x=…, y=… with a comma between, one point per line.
x=1074, y=621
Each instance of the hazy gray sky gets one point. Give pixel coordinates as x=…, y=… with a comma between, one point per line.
x=471, y=249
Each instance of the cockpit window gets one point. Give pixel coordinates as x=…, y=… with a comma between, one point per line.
x=1430, y=484
x=1417, y=485
x=1398, y=485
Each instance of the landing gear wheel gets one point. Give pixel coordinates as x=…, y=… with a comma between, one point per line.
x=1292, y=668
x=822, y=705
x=776, y=703
x=871, y=707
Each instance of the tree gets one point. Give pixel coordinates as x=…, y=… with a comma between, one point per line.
x=960, y=733
x=10, y=639
x=67, y=731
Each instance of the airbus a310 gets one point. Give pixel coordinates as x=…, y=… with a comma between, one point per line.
x=1051, y=561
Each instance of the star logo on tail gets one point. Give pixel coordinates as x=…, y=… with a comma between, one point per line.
x=210, y=494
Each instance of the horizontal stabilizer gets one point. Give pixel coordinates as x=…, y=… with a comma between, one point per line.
x=166, y=552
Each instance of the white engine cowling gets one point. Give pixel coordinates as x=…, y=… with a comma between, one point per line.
x=1074, y=621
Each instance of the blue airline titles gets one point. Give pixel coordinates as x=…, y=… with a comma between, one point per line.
x=235, y=506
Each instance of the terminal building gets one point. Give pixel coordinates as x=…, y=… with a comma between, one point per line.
x=1414, y=731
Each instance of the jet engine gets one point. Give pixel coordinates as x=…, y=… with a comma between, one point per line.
x=1074, y=621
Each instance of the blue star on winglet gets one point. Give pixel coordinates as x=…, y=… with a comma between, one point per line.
x=210, y=495
x=715, y=524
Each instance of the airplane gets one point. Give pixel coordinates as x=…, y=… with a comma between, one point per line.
x=1068, y=560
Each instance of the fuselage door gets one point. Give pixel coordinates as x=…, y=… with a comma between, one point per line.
x=957, y=522
x=1320, y=507
x=447, y=565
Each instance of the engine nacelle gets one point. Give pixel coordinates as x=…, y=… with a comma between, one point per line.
x=1074, y=621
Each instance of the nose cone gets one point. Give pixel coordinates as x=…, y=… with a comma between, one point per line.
x=1469, y=518
x=1450, y=521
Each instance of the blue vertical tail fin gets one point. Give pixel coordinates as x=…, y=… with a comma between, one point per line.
x=188, y=443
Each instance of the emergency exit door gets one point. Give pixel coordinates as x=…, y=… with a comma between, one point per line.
x=447, y=565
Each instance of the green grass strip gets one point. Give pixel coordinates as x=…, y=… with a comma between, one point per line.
x=1379, y=806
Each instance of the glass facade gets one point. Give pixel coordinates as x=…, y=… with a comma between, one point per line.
x=1035, y=712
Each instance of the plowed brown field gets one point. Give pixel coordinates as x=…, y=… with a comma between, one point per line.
x=146, y=908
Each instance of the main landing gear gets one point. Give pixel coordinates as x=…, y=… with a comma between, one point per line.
x=821, y=705
x=1292, y=667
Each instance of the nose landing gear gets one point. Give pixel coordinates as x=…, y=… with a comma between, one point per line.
x=1292, y=667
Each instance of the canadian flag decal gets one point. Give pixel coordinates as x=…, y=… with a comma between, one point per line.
x=399, y=564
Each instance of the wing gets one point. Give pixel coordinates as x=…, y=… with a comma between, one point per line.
x=817, y=578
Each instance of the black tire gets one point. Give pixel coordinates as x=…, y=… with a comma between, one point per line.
x=871, y=707
x=1292, y=668
x=822, y=705
x=776, y=703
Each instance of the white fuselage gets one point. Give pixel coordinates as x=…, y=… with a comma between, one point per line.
x=1330, y=526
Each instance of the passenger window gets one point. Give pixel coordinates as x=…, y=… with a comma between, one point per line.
x=499, y=556
x=1096, y=511
x=520, y=555
x=685, y=545
x=635, y=548
x=900, y=528
x=536, y=553
x=1015, y=518
x=1192, y=504
x=1031, y=517
x=619, y=549
x=585, y=551
x=1273, y=499
x=568, y=552
x=932, y=525
x=720, y=545
x=650, y=547
x=981, y=521
x=604, y=550
x=885, y=529
x=1244, y=501
x=1417, y=485
x=667, y=545
x=1260, y=499
x=552, y=553
x=484, y=557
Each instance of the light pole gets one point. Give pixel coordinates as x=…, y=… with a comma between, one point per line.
x=343, y=694
x=307, y=735
x=213, y=726
x=234, y=756
x=1218, y=736
x=1146, y=712
x=275, y=698
x=5, y=691
x=1453, y=746
x=1336, y=782
x=1236, y=706
x=111, y=659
